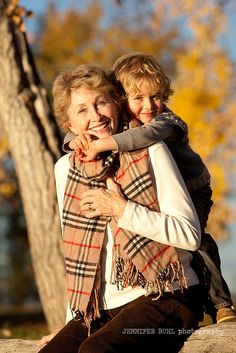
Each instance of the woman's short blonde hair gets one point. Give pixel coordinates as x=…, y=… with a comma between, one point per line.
x=89, y=76
x=132, y=69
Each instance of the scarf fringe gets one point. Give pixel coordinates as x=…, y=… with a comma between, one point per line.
x=92, y=312
x=125, y=273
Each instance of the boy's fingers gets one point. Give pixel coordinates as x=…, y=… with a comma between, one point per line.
x=89, y=137
x=81, y=141
x=92, y=135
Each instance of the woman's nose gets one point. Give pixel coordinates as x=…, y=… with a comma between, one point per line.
x=95, y=115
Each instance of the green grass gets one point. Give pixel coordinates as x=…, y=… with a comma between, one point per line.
x=32, y=331
x=22, y=324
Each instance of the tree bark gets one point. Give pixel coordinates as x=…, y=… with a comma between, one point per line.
x=27, y=121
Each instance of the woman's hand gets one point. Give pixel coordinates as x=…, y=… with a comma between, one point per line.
x=46, y=339
x=104, y=202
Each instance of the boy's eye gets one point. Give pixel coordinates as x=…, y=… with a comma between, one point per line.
x=138, y=98
x=157, y=96
x=102, y=102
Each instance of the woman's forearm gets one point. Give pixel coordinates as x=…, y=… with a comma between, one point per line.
x=177, y=223
x=159, y=226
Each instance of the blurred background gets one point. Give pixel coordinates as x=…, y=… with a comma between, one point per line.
x=195, y=43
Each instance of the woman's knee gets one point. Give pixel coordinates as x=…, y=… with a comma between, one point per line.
x=93, y=344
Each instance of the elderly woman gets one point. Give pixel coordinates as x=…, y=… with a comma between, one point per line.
x=130, y=283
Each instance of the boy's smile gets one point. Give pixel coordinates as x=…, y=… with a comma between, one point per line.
x=145, y=104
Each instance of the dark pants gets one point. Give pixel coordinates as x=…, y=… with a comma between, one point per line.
x=206, y=261
x=143, y=325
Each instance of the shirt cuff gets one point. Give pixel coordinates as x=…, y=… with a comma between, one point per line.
x=124, y=220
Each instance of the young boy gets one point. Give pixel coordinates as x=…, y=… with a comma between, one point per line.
x=145, y=89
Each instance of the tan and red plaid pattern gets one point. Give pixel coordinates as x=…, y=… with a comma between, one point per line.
x=136, y=260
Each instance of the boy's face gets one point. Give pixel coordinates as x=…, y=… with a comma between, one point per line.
x=145, y=104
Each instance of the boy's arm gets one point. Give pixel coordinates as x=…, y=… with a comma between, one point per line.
x=135, y=138
x=95, y=147
x=148, y=134
x=138, y=137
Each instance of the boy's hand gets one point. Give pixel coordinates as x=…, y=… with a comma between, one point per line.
x=81, y=142
x=91, y=153
x=87, y=146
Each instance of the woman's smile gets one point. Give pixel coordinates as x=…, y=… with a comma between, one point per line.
x=100, y=127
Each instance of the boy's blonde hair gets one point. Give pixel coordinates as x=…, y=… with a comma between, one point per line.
x=132, y=69
x=88, y=76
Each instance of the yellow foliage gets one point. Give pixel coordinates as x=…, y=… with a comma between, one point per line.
x=204, y=97
x=3, y=147
x=73, y=37
x=66, y=39
x=201, y=70
x=7, y=189
x=8, y=185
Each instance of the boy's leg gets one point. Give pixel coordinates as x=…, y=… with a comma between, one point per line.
x=218, y=288
x=149, y=325
x=218, y=295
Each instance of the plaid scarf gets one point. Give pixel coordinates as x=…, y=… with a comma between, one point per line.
x=136, y=260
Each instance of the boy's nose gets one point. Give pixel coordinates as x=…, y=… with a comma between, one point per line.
x=148, y=103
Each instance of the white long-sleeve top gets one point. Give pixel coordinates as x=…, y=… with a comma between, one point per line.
x=176, y=224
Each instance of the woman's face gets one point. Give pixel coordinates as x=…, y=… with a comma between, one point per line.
x=92, y=111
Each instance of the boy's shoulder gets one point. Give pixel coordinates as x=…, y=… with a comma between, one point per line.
x=170, y=117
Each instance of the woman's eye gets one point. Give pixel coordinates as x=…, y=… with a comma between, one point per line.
x=81, y=111
x=138, y=98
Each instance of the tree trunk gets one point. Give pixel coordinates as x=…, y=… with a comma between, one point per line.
x=26, y=119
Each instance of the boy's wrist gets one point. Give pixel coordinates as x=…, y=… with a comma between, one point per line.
x=105, y=144
x=97, y=146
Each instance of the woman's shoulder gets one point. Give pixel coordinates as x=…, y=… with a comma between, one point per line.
x=159, y=151
x=156, y=146
x=62, y=162
x=61, y=170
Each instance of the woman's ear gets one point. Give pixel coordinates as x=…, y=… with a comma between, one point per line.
x=71, y=128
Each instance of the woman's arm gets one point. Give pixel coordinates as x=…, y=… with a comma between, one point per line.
x=61, y=170
x=176, y=224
